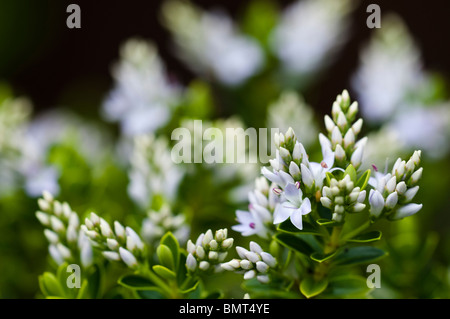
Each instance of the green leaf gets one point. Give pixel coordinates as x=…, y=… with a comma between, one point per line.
x=170, y=241
x=350, y=170
x=165, y=256
x=50, y=286
x=354, y=224
x=271, y=290
x=288, y=227
x=150, y=294
x=320, y=258
x=366, y=237
x=328, y=222
x=164, y=272
x=295, y=243
x=83, y=293
x=347, y=286
x=310, y=287
x=358, y=255
x=189, y=285
x=214, y=295
x=136, y=282
x=363, y=180
x=329, y=176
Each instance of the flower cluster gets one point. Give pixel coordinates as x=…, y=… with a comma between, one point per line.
x=121, y=244
x=208, y=251
x=153, y=172
x=162, y=221
x=258, y=218
x=253, y=263
x=392, y=192
x=67, y=242
x=342, y=196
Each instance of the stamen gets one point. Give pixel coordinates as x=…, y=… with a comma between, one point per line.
x=252, y=225
x=297, y=184
x=375, y=168
x=277, y=191
x=323, y=164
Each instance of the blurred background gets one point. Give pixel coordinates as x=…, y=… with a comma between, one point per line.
x=288, y=57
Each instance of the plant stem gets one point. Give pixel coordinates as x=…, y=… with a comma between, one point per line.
x=330, y=247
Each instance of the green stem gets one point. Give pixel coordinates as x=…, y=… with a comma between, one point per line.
x=331, y=246
x=166, y=289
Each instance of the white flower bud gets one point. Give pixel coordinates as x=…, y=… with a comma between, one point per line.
x=137, y=240
x=391, y=183
x=43, y=218
x=111, y=255
x=339, y=200
x=88, y=224
x=204, y=265
x=410, y=193
x=95, y=219
x=335, y=190
x=335, y=109
x=268, y=259
x=213, y=255
x=57, y=208
x=262, y=267
x=336, y=136
x=105, y=229
x=112, y=244
x=66, y=209
x=391, y=200
x=264, y=279
x=220, y=234
x=338, y=209
x=74, y=221
x=235, y=263
x=407, y=210
x=55, y=254
x=227, y=243
x=119, y=230
x=297, y=153
x=207, y=238
x=222, y=256
x=353, y=109
x=246, y=264
x=254, y=247
x=285, y=154
x=329, y=124
x=64, y=251
x=356, y=157
x=349, y=138
x=401, y=188
x=326, y=192
x=127, y=257
x=86, y=254
x=131, y=245
x=357, y=126
x=51, y=236
x=43, y=204
x=339, y=153
x=57, y=224
x=191, y=263
x=241, y=251
x=361, y=197
x=358, y=207
x=416, y=176
x=326, y=202
x=416, y=157
x=290, y=134
x=72, y=235
x=227, y=266
x=190, y=247
x=200, y=252
x=294, y=170
x=47, y=196
x=376, y=201
x=307, y=176
x=337, y=217
x=253, y=257
x=249, y=274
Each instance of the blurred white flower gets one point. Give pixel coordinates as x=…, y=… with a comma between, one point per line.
x=143, y=96
x=290, y=110
x=152, y=170
x=211, y=44
x=310, y=33
x=390, y=69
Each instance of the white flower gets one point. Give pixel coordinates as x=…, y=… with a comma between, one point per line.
x=294, y=207
x=407, y=210
x=376, y=201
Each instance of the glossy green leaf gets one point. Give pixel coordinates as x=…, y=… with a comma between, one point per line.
x=311, y=288
x=320, y=258
x=136, y=282
x=295, y=243
x=170, y=241
x=366, y=237
x=363, y=180
x=164, y=272
x=358, y=255
x=165, y=256
x=354, y=225
x=50, y=286
x=350, y=170
x=83, y=292
x=189, y=285
x=215, y=295
x=288, y=227
x=150, y=294
x=270, y=290
x=329, y=176
x=328, y=222
x=347, y=286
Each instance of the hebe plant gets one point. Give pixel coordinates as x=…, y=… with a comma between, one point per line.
x=313, y=226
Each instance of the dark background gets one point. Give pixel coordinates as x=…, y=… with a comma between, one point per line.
x=53, y=65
